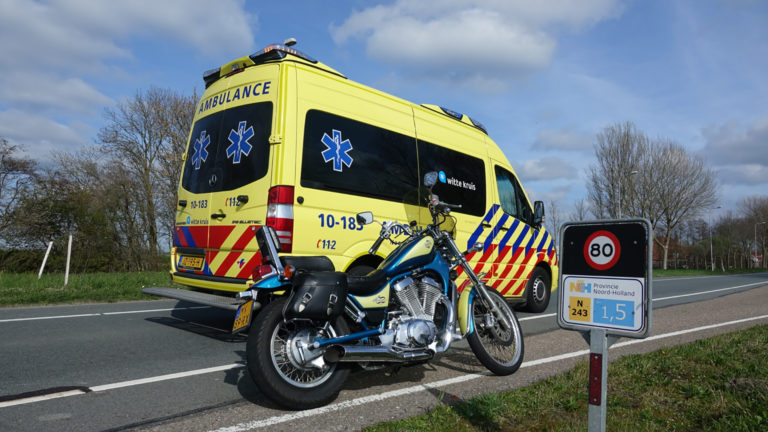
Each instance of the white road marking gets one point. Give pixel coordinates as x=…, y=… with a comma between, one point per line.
x=101, y=314
x=166, y=377
x=41, y=398
x=710, y=292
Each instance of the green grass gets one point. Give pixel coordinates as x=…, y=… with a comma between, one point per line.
x=26, y=289
x=718, y=384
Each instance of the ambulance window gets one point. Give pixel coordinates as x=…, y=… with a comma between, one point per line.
x=462, y=177
x=350, y=156
x=512, y=197
x=228, y=149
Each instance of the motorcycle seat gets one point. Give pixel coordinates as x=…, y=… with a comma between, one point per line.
x=308, y=263
x=366, y=285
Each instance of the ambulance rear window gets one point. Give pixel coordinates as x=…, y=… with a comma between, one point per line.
x=228, y=149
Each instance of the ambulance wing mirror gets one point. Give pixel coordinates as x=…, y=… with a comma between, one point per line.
x=365, y=218
x=538, y=214
x=430, y=179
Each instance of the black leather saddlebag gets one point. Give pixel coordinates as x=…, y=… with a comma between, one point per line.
x=317, y=296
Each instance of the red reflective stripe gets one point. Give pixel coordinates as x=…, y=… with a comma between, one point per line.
x=484, y=259
x=246, y=270
x=210, y=255
x=520, y=288
x=245, y=238
x=218, y=235
x=502, y=254
x=519, y=273
x=221, y=269
x=507, y=287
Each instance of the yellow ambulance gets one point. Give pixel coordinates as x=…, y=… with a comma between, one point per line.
x=284, y=140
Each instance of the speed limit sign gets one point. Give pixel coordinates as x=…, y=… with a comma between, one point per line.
x=602, y=250
x=605, y=276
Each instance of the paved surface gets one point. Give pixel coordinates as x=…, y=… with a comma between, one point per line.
x=115, y=362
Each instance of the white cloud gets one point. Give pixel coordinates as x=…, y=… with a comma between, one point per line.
x=739, y=152
x=563, y=139
x=55, y=51
x=38, y=135
x=547, y=168
x=81, y=35
x=45, y=92
x=492, y=40
x=735, y=143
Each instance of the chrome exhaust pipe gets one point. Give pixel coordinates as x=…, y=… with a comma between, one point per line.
x=446, y=336
x=348, y=353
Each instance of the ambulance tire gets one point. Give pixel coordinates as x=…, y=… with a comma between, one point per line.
x=538, y=291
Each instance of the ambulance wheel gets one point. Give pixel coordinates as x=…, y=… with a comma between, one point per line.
x=538, y=291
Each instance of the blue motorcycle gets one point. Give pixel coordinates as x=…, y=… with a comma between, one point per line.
x=301, y=345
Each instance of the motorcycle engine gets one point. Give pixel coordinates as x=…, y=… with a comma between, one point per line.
x=415, y=328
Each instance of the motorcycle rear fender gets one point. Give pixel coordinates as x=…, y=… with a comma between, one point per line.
x=271, y=283
x=466, y=321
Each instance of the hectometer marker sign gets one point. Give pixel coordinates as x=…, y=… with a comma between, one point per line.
x=605, y=281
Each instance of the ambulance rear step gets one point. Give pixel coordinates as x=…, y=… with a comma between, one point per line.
x=212, y=300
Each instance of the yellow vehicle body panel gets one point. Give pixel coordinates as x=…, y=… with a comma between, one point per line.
x=318, y=129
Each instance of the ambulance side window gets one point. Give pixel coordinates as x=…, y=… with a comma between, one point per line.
x=461, y=177
x=511, y=196
x=353, y=157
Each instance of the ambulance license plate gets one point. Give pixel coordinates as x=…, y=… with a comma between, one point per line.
x=191, y=262
x=243, y=316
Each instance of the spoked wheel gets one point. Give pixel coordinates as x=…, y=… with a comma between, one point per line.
x=498, y=347
x=282, y=366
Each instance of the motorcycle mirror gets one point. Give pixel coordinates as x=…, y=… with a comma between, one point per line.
x=430, y=179
x=365, y=218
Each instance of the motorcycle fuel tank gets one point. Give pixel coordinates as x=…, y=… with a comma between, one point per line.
x=410, y=255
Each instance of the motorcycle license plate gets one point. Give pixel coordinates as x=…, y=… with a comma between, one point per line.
x=243, y=316
x=191, y=262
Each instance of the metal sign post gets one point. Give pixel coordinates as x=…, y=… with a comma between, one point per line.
x=605, y=292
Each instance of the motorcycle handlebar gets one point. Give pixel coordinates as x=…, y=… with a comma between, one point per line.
x=376, y=245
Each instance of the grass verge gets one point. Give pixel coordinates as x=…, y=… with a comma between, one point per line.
x=27, y=289
x=717, y=384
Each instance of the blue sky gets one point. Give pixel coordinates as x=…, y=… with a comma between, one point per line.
x=543, y=76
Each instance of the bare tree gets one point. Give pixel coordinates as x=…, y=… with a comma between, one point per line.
x=658, y=180
x=178, y=113
x=619, y=149
x=580, y=210
x=146, y=136
x=554, y=220
x=684, y=186
x=15, y=175
x=755, y=210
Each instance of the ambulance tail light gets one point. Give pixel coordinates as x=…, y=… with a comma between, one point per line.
x=280, y=215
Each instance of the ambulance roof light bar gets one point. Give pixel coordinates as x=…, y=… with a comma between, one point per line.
x=271, y=52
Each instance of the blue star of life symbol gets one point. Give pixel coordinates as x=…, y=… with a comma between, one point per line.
x=201, y=149
x=337, y=150
x=239, y=140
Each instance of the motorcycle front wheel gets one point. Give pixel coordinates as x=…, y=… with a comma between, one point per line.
x=499, y=348
x=292, y=379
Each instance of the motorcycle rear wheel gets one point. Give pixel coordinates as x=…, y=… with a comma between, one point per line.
x=499, y=349
x=275, y=364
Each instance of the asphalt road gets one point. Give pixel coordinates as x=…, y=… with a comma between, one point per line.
x=167, y=365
